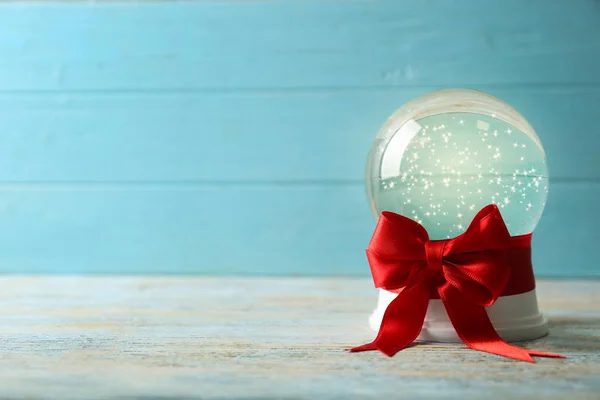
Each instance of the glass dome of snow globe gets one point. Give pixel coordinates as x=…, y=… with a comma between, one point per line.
x=442, y=157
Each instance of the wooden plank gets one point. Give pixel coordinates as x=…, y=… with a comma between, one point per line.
x=184, y=229
x=198, y=338
x=275, y=44
x=238, y=229
x=256, y=136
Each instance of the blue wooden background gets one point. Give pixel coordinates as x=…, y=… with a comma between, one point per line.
x=230, y=137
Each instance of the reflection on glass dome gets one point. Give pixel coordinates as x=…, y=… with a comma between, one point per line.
x=443, y=157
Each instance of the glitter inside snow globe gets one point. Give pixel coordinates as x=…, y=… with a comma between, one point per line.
x=439, y=160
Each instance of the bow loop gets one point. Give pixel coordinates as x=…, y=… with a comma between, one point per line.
x=477, y=262
x=393, y=261
x=486, y=232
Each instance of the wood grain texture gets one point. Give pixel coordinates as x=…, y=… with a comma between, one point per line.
x=257, y=136
x=297, y=43
x=212, y=338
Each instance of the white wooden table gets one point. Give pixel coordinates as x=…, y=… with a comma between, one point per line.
x=205, y=338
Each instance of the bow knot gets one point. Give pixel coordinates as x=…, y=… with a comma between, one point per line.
x=434, y=252
x=468, y=273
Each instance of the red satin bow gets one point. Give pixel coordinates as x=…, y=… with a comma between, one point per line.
x=468, y=273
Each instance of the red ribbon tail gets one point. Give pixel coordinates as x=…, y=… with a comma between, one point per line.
x=543, y=354
x=364, y=347
x=473, y=326
x=402, y=321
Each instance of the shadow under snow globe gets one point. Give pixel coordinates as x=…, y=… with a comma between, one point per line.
x=439, y=160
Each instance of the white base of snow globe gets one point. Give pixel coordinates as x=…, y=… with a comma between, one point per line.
x=515, y=318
